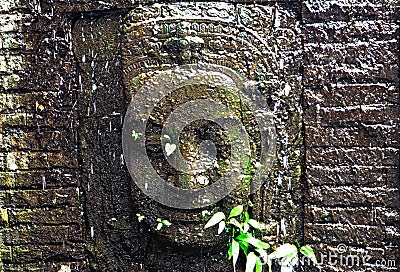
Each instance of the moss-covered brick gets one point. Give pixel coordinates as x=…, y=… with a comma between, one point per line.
x=6, y=253
x=43, y=198
x=39, y=235
x=38, y=216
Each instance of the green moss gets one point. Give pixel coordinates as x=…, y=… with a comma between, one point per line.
x=7, y=179
x=4, y=216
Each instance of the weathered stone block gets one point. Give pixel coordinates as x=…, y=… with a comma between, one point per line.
x=43, y=198
x=342, y=10
x=352, y=175
x=334, y=234
x=366, y=135
x=24, y=254
x=318, y=75
x=6, y=253
x=353, y=196
x=11, y=40
x=350, y=95
x=4, y=217
x=378, y=216
x=348, y=32
x=70, y=215
x=10, y=63
x=37, y=235
x=364, y=156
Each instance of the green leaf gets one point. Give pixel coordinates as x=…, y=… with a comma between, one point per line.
x=204, y=213
x=236, y=211
x=255, y=224
x=309, y=252
x=235, y=251
x=251, y=262
x=166, y=223
x=221, y=227
x=245, y=227
x=284, y=251
x=263, y=254
x=236, y=223
x=215, y=219
x=247, y=217
x=287, y=252
x=136, y=135
x=170, y=148
x=258, y=265
x=244, y=246
x=253, y=241
x=140, y=217
x=230, y=251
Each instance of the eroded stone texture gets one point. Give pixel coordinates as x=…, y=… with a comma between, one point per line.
x=41, y=203
x=65, y=195
x=142, y=48
x=351, y=102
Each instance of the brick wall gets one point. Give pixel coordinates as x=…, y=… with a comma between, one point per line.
x=351, y=127
x=41, y=208
x=351, y=122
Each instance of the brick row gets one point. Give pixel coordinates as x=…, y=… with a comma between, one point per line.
x=32, y=139
x=39, y=235
x=43, y=253
x=357, y=53
x=372, y=216
x=39, y=179
x=353, y=196
x=50, y=266
x=365, y=135
x=40, y=198
x=48, y=118
x=351, y=31
x=359, y=156
x=68, y=215
x=353, y=175
x=317, y=75
x=344, y=10
x=373, y=114
x=335, y=95
x=35, y=101
x=24, y=160
x=356, y=235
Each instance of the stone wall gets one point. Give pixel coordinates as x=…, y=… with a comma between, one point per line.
x=50, y=143
x=351, y=123
x=41, y=200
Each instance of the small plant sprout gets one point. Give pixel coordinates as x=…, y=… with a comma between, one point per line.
x=205, y=213
x=170, y=148
x=243, y=239
x=162, y=223
x=288, y=254
x=136, y=135
x=140, y=217
x=241, y=227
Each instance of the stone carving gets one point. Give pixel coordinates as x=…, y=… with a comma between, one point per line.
x=245, y=38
